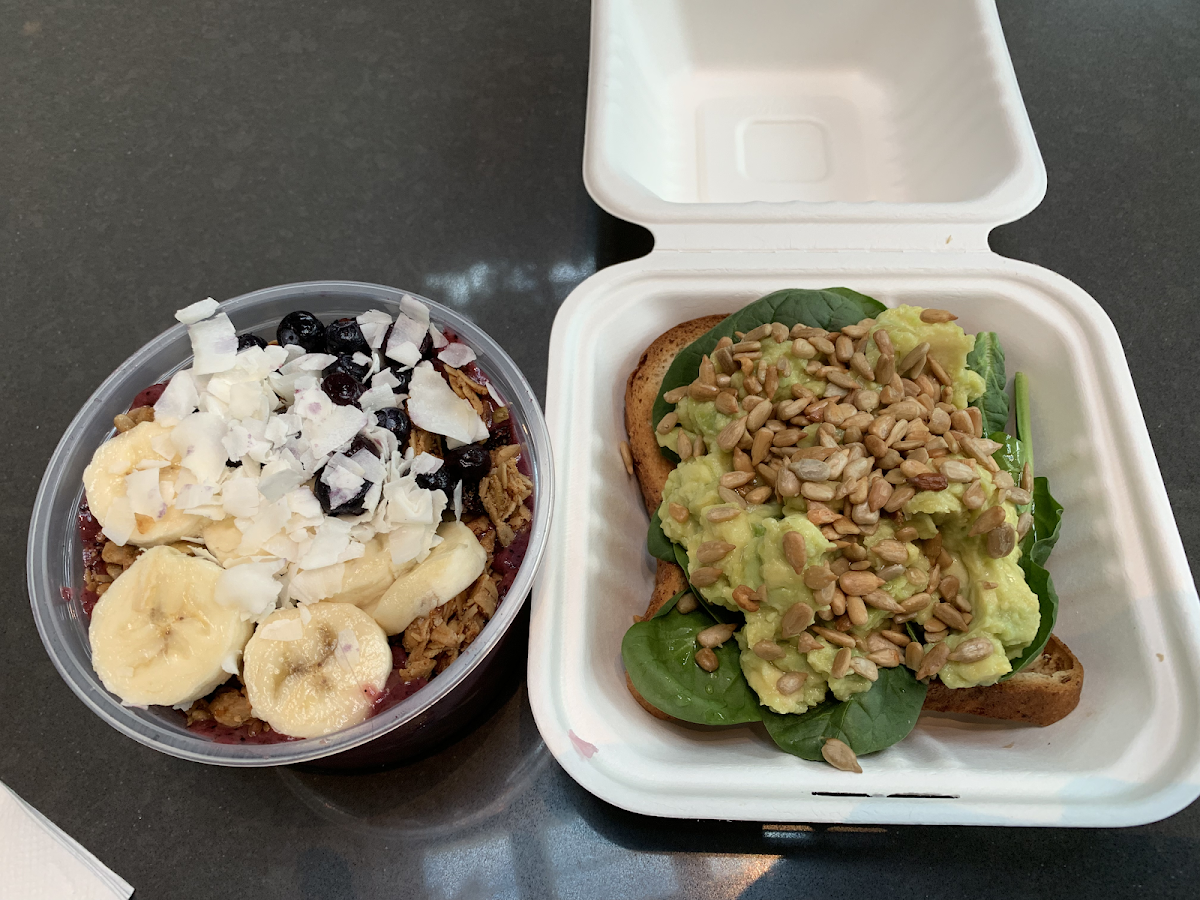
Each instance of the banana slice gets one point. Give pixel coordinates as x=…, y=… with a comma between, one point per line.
x=451, y=567
x=367, y=577
x=158, y=636
x=314, y=677
x=104, y=482
x=222, y=538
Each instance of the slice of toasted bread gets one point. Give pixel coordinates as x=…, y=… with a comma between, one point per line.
x=641, y=390
x=1042, y=694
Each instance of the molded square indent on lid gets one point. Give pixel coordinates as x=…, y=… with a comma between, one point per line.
x=782, y=151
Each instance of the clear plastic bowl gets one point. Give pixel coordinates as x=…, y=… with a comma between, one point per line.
x=55, y=566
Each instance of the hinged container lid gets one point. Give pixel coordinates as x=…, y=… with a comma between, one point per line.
x=770, y=124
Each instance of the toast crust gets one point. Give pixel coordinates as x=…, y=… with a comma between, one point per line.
x=641, y=390
x=1041, y=694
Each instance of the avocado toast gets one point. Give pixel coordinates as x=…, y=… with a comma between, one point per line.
x=834, y=617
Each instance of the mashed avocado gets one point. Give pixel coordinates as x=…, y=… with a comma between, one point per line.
x=928, y=536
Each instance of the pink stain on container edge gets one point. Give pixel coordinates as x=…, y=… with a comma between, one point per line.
x=585, y=749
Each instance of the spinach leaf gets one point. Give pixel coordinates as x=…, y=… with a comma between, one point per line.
x=1024, y=430
x=670, y=604
x=1041, y=584
x=988, y=360
x=1035, y=550
x=1047, y=523
x=867, y=722
x=660, y=657
x=718, y=613
x=1011, y=455
x=831, y=309
x=657, y=543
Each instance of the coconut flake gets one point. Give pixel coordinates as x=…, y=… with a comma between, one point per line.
x=492, y=391
x=145, y=499
x=374, y=325
x=282, y=629
x=178, y=399
x=457, y=355
x=214, y=345
x=458, y=503
x=335, y=430
x=385, y=378
x=308, y=362
x=119, y=523
x=251, y=587
x=343, y=484
x=439, y=339
x=434, y=406
x=414, y=309
x=197, y=312
x=425, y=464
x=377, y=397
x=281, y=475
x=192, y=497
x=239, y=496
x=312, y=585
x=199, y=438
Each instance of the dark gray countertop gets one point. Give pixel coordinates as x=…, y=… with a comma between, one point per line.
x=155, y=153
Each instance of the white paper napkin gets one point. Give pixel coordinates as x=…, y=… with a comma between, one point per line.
x=39, y=861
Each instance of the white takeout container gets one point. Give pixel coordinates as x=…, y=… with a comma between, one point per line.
x=871, y=144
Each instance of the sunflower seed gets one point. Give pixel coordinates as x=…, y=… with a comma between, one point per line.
x=957, y=472
x=858, y=362
x=951, y=616
x=705, y=576
x=726, y=403
x=913, y=653
x=915, y=359
x=938, y=372
x=697, y=390
x=843, y=348
x=730, y=496
x=929, y=482
x=674, y=395
x=713, y=551
x=882, y=600
x=1019, y=496
x=698, y=448
x=787, y=437
x=972, y=651
x=1024, y=523
x=744, y=597
x=790, y=682
x=823, y=492
x=745, y=346
x=890, y=573
x=707, y=660
x=761, y=445
x=974, y=497
x=891, y=551
x=976, y=415
x=865, y=667
x=823, y=345
x=715, y=635
x=948, y=588
x=787, y=484
x=627, y=457
x=841, y=664
x=811, y=470
x=933, y=661
x=900, y=496
x=723, y=513
x=731, y=433
x=856, y=610
x=759, y=495
x=679, y=512
x=916, y=603
x=803, y=349
x=840, y=756
x=1027, y=478
x=992, y=517
x=806, y=643
x=1001, y=541
x=939, y=421
x=833, y=595
x=897, y=638
x=757, y=333
x=770, y=382
x=834, y=637
x=933, y=625
x=817, y=577
x=735, y=479
x=667, y=422
x=933, y=316
x=796, y=620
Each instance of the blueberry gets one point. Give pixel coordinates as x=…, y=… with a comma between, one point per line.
x=342, y=389
x=397, y=422
x=403, y=375
x=347, y=365
x=352, y=507
x=249, y=340
x=302, y=328
x=362, y=442
x=343, y=337
x=441, y=480
x=470, y=463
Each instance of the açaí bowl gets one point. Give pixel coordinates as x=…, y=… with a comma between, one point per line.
x=437, y=711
